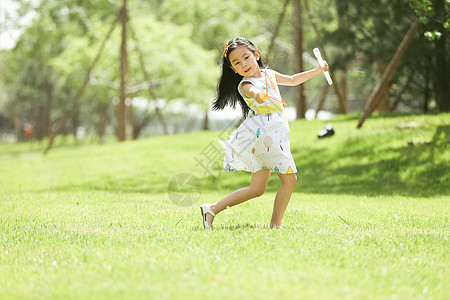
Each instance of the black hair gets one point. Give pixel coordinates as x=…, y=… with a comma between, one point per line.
x=227, y=87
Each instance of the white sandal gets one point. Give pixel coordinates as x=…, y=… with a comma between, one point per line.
x=275, y=227
x=206, y=209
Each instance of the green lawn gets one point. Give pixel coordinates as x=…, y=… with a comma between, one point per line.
x=368, y=219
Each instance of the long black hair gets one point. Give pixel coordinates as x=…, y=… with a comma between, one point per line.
x=227, y=87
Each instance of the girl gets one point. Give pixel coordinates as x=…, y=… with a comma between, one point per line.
x=261, y=144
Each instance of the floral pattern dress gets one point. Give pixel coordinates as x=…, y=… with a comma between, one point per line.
x=262, y=141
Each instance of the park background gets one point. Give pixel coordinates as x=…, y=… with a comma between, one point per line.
x=117, y=95
x=99, y=68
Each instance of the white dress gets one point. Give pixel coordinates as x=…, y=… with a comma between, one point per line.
x=262, y=141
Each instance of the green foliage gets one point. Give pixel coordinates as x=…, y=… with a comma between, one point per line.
x=369, y=34
x=372, y=28
x=63, y=41
x=182, y=41
x=434, y=16
x=170, y=55
x=213, y=22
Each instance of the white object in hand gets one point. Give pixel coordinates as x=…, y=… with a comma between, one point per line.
x=322, y=64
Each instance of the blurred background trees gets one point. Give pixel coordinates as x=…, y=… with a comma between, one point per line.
x=173, y=54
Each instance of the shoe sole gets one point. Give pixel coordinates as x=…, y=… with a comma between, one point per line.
x=203, y=217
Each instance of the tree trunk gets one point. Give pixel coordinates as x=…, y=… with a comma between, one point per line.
x=383, y=106
x=101, y=129
x=40, y=124
x=47, y=123
x=403, y=90
x=205, y=121
x=131, y=120
x=162, y=120
x=277, y=29
x=442, y=78
x=17, y=126
x=344, y=85
x=147, y=79
x=426, y=92
x=121, y=109
x=77, y=97
x=383, y=87
x=299, y=94
x=325, y=90
x=342, y=96
x=343, y=103
x=138, y=126
x=75, y=123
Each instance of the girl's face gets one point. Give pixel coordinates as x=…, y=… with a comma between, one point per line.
x=244, y=62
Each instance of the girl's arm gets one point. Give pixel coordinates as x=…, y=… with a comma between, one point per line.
x=299, y=77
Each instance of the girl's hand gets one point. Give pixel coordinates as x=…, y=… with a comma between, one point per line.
x=324, y=69
x=251, y=91
x=260, y=97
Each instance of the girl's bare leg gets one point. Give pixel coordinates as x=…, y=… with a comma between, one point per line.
x=288, y=182
x=255, y=189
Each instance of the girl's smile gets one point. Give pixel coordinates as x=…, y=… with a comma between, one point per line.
x=245, y=62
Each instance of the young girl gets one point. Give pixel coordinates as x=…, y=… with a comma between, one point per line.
x=261, y=144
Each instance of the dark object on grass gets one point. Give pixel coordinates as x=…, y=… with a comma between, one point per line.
x=328, y=131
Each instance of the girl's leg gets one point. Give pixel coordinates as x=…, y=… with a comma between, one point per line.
x=255, y=189
x=288, y=182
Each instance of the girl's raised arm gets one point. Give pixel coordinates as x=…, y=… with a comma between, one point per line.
x=299, y=78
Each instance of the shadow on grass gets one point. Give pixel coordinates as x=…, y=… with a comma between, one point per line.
x=146, y=184
x=233, y=227
x=352, y=164
x=358, y=167
x=38, y=147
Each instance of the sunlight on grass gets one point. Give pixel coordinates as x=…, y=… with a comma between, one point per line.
x=368, y=219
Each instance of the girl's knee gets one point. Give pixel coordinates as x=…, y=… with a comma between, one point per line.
x=294, y=179
x=289, y=180
x=257, y=191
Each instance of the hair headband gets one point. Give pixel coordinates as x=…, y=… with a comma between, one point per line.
x=225, y=51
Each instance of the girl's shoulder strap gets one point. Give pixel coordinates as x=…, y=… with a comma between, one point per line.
x=270, y=73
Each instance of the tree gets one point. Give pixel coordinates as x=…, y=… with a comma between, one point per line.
x=300, y=97
x=73, y=32
x=381, y=90
x=435, y=18
x=32, y=84
x=372, y=32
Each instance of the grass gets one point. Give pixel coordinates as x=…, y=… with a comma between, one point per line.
x=368, y=219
